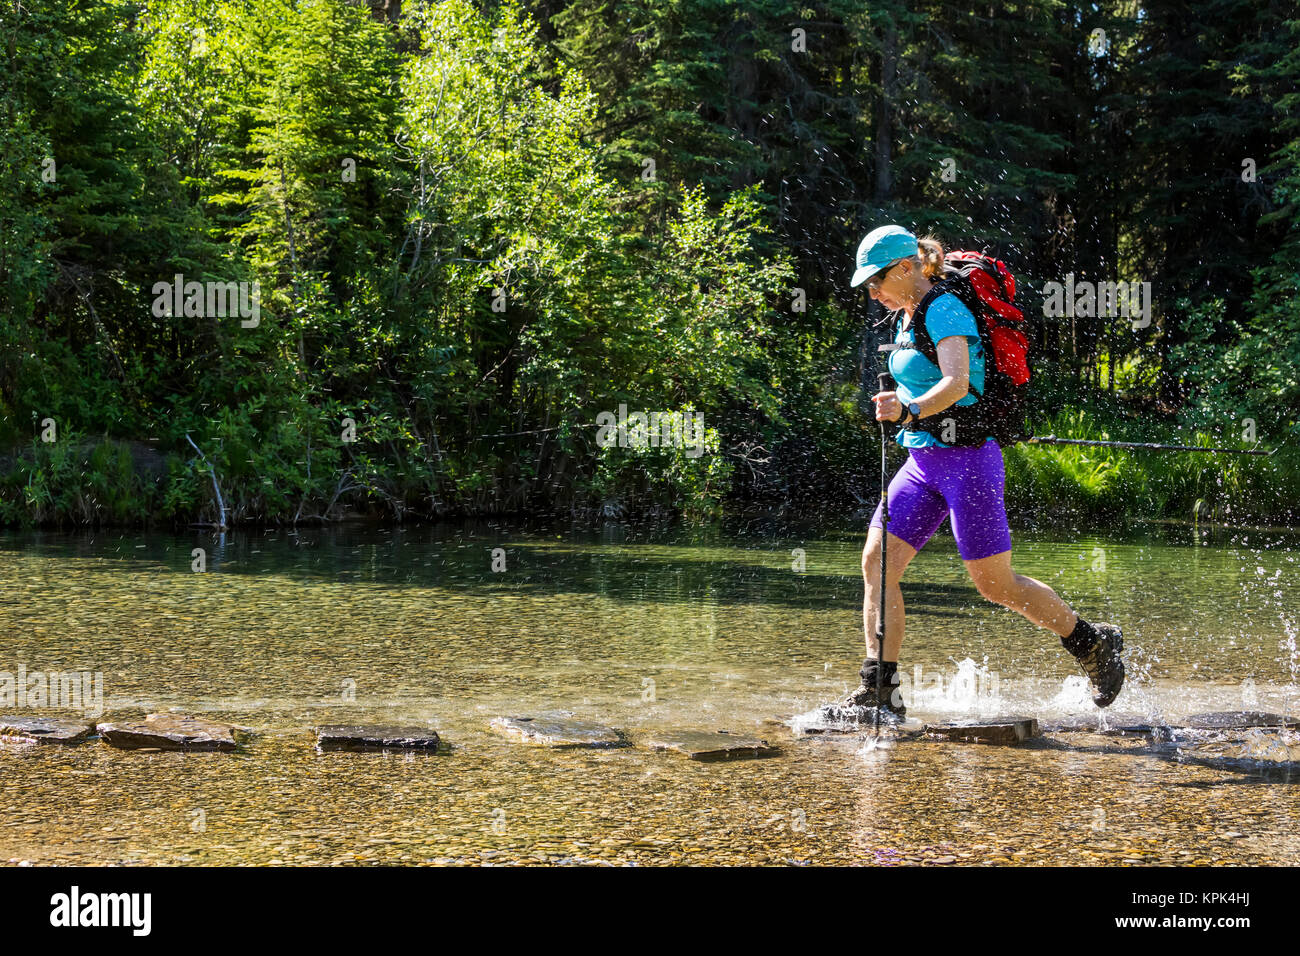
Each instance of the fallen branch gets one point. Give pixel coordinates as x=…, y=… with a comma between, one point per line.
x=221, y=505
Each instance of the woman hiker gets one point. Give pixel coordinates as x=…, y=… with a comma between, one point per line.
x=938, y=481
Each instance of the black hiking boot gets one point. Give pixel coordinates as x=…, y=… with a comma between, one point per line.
x=1101, y=661
x=862, y=701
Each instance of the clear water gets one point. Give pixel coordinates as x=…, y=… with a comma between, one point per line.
x=644, y=630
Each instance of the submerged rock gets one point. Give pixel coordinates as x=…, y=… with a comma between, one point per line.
x=997, y=730
x=557, y=729
x=169, y=732
x=1239, y=720
x=711, y=745
x=1107, y=724
x=44, y=730
x=356, y=737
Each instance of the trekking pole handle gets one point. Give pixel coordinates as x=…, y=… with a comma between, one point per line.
x=885, y=381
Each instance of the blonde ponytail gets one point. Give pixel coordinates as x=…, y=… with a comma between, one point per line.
x=930, y=256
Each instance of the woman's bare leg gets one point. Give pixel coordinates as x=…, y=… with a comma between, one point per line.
x=1027, y=596
x=899, y=557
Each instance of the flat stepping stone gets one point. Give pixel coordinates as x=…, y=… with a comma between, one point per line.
x=1115, y=724
x=711, y=745
x=1239, y=720
x=45, y=730
x=557, y=730
x=838, y=719
x=357, y=737
x=169, y=732
x=998, y=730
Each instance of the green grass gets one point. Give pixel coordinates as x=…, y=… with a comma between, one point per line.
x=1064, y=482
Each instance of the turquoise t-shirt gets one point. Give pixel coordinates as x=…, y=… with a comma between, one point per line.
x=915, y=374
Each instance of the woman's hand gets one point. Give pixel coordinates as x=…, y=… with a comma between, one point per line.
x=888, y=407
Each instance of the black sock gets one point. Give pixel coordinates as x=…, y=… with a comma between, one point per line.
x=1081, y=638
x=868, y=672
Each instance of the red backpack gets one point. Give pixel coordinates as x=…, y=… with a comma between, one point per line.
x=988, y=289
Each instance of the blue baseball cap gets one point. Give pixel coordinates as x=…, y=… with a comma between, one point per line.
x=881, y=247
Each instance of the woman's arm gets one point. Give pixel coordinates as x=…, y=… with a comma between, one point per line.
x=954, y=362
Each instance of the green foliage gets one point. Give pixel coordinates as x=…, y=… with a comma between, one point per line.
x=1060, y=483
x=690, y=475
x=461, y=248
x=76, y=479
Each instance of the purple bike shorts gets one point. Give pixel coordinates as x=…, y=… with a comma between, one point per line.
x=964, y=482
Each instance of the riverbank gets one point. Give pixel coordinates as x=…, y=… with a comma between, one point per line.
x=106, y=482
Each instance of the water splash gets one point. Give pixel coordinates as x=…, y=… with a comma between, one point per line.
x=1075, y=692
x=1139, y=662
x=974, y=691
x=1260, y=746
x=874, y=745
x=1289, y=645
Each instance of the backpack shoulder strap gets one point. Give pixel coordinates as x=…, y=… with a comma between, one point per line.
x=920, y=334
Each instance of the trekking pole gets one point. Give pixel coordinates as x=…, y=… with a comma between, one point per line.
x=883, y=379
x=1149, y=446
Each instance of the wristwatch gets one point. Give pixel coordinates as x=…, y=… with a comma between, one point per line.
x=915, y=409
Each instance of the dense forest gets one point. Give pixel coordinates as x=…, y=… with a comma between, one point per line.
x=291, y=260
